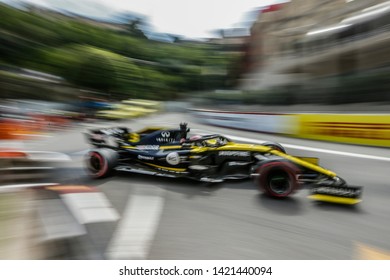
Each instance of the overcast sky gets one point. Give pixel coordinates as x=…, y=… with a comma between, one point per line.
x=191, y=18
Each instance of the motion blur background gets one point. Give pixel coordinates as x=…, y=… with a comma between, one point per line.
x=316, y=52
x=61, y=69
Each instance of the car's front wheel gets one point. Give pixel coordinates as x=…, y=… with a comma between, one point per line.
x=101, y=162
x=277, y=179
x=275, y=146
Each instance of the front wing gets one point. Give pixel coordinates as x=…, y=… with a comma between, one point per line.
x=337, y=194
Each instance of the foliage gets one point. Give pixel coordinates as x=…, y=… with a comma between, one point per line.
x=115, y=59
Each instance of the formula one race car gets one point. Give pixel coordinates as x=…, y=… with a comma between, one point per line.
x=213, y=158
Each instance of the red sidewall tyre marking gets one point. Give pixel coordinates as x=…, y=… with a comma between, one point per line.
x=265, y=170
x=103, y=164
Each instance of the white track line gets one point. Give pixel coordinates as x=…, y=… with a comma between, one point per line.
x=136, y=230
x=90, y=207
x=80, y=153
x=348, y=154
x=305, y=148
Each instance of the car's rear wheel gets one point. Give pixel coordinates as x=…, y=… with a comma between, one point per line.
x=101, y=162
x=277, y=179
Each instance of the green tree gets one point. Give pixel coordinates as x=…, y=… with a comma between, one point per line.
x=95, y=71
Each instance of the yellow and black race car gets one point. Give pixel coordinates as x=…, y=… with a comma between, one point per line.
x=213, y=158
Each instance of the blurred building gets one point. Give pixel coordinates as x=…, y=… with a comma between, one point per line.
x=231, y=39
x=302, y=41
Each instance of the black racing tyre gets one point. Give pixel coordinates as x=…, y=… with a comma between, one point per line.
x=278, y=179
x=275, y=146
x=101, y=162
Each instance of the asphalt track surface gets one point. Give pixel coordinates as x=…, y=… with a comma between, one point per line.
x=165, y=218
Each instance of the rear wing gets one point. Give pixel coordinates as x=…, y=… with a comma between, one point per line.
x=100, y=137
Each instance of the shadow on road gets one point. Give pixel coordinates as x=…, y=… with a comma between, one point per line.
x=289, y=206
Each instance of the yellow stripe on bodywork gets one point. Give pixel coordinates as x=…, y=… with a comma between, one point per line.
x=335, y=199
x=167, y=168
x=244, y=147
x=170, y=147
x=311, y=160
x=233, y=147
x=305, y=163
